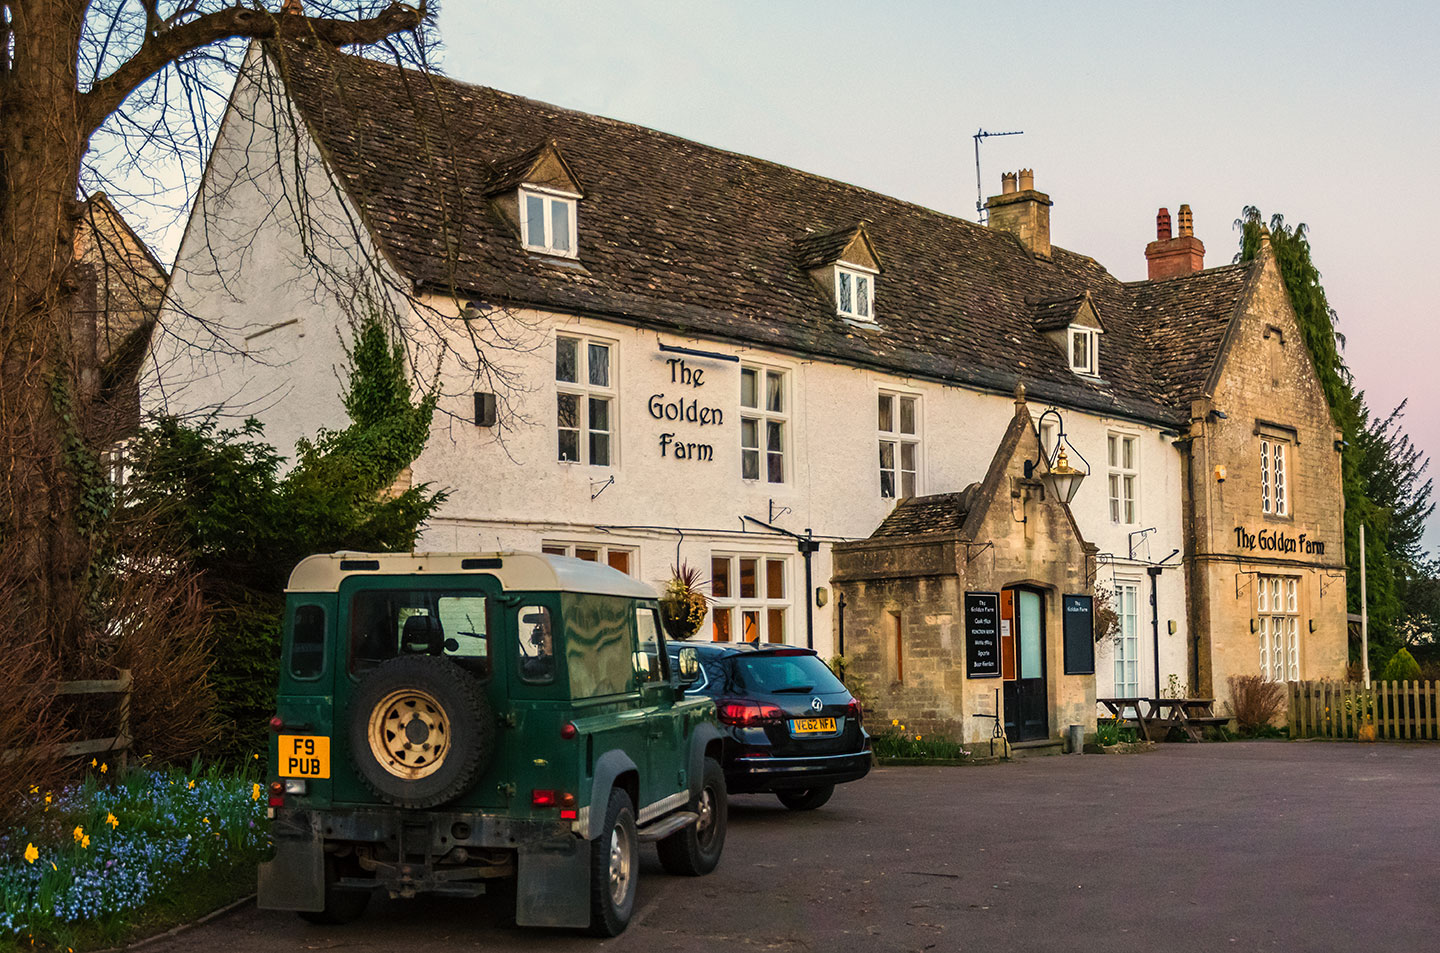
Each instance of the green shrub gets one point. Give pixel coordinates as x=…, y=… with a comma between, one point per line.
x=1401, y=667
x=897, y=742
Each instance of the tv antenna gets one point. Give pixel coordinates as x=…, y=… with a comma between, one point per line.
x=980, y=215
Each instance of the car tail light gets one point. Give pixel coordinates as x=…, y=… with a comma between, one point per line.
x=540, y=798
x=569, y=814
x=746, y=713
x=568, y=730
x=567, y=800
x=788, y=652
x=853, y=710
x=276, y=723
x=277, y=794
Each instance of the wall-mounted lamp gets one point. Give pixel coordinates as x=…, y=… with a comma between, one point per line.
x=1219, y=473
x=1218, y=415
x=1060, y=478
x=822, y=596
x=1340, y=445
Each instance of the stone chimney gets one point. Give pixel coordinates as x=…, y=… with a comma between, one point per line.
x=1022, y=211
x=293, y=8
x=1172, y=257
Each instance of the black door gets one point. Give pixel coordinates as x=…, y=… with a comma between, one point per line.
x=1027, y=709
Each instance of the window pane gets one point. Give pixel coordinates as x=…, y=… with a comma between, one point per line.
x=907, y=457
x=750, y=625
x=750, y=433
x=599, y=414
x=599, y=449
x=887, y=456
x=553, y=549
x=537, y=647
x=775, y=625
x=588, y=553
x=749, y=387
x=775, y=455
x=619, y=559
x=907, y=483
x=307, y=642
x=907, y=415
x=599, y=365
x=862, y=296
x=599, y=432
x=569, y=449
x=1129, y=446
x=720, y=624
x=1080, y=352
x=887, y=484
x=647, y=658
x=1110, y=443
x=566, y=360
x=748, y=570
x=845, y=293
x=775, y=392
x=535, y=221
x=750, y=464
x=774, y=579
x=887, y=413
x=559, y=225
x=720, y=577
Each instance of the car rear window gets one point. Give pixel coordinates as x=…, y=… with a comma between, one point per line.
x=769, y=674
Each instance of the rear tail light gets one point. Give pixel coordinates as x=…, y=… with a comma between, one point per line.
x=568, y=730
x=276, y=723
x=545, y=797
x=277, y=794
x=853, y=710
x=746, y=713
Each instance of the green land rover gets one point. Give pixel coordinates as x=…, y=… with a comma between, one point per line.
x=448, y=721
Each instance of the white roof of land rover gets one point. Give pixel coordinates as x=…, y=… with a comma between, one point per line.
x=531, y=572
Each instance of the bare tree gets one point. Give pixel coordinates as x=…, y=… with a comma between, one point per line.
x=86, y=88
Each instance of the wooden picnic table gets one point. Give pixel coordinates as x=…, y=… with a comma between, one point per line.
x=1156, y=716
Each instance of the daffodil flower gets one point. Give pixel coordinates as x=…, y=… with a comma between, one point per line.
x=94, y=761
x=104, y=768
x=79, y=833
x=85, y=841
x=31, y=854
x=255, y=792
x=112, y=820
x=894, y=721
x=191, y=785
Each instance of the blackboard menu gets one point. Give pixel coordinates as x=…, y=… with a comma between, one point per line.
x=982, y=634
x=1079, y=635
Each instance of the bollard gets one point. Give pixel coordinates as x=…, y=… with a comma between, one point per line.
x=1077, y=739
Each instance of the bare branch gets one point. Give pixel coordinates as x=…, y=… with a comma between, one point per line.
x=168, y=45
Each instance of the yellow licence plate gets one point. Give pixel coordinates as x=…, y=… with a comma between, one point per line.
x=304, y=756
x=810, y=726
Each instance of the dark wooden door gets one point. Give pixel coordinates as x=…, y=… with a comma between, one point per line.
x=1027, y=705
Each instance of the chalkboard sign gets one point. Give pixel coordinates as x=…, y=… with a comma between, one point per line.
x=982, y=634
x=1079, y=635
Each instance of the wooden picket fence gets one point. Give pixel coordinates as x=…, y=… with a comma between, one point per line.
x=1400, y=711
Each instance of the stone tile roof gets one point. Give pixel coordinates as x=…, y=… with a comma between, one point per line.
x=689, y=238
x=937, y=513
x=824, y=248
x=1054, y=314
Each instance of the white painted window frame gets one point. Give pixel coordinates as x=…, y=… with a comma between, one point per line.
x=897, y=440
x=761, y=603
x=559, y=547
x=1127, y=641
x=1092, y=337
x=584, y=390
x=1276, y=462
x=548, y=197
x=764, y=417
x=1121, y=476
x=1277, y=607
x=852, y=272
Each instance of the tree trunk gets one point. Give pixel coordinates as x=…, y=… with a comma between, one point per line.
x=40, y=153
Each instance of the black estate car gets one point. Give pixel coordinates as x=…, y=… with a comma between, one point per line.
x=789, y=726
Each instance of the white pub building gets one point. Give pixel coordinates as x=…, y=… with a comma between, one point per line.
x=713, y=360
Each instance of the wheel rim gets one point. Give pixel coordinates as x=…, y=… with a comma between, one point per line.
x=409, y=734
x=620, y=866
x=705, y=827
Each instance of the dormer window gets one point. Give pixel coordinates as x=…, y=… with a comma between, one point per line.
x=547, y=221
x=854, y=292
x=1085, y=351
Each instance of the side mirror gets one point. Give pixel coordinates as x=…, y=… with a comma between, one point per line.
x=687, y=664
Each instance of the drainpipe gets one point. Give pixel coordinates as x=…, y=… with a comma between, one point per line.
x=840, y=609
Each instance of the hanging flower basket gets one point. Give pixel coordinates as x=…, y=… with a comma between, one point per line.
x=683, y=605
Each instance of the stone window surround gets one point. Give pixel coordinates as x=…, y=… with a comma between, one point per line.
x=624, y=559
x=1117, y=477
x=898, y=439
x=584, y=390
x=856, y=276
x=1274, y=436
x=549, y=198
x=1277, y=610
x=728, y=601
x=764, y=417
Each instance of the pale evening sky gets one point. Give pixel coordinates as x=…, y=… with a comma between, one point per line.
x=1326, y=112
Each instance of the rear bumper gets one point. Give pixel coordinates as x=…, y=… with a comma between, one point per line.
x=751, y=775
